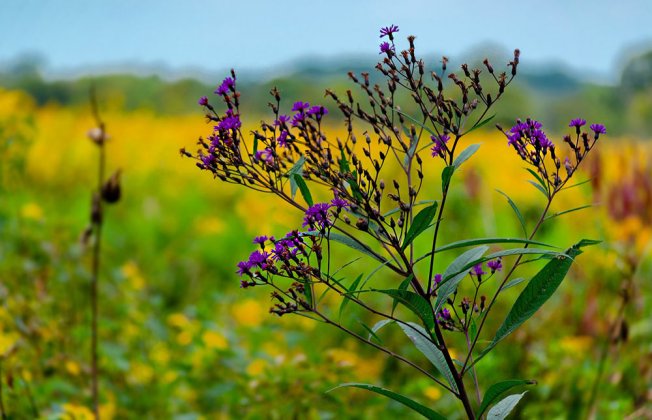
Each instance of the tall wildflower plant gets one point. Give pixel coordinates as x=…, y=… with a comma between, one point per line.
x=107, y=191
x=293, y=158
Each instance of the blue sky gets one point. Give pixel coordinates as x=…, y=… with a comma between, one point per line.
x=87, y=35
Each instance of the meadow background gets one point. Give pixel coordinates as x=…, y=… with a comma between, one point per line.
x=180, y=339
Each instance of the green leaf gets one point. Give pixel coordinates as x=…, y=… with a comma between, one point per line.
x=521, y=219
x=465, y=155
x=380, y=324
x=358, y=246
x=504, y=407
x=353, y=288
x=446, y=176
x=512, y=283
x=371, y=332
x=481, y=123
x=497, y=389
x=413, y=302
x=303, y=187
x=538, y=178
x=297, y=168
x=413, y=405
x=569, y=211
x=576, y=185
x=473, y=330
x=420, y=223
x=543, y=190
x=455, y=272
x=419, y=337
x=293, y=186
x=536, y=293
x=403, y=286
x=482, y=241
x=409, y=117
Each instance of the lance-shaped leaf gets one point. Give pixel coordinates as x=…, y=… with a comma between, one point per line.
x=415, y=303
x=446, y=176
x=346, y=298
x=420, y=223
x=303, y=187
x=518, y=213
x=351, y=243
x=504, y=407
x=536, y=293
x=455, y=272
x=413, y=405
x=497, y=389
x=465, y=155
x=418, y=335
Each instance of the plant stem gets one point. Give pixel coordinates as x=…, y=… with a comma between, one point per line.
x=3, y=413
x=507, y=276
x=95, y=271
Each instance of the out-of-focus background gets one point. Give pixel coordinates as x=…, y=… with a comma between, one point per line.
x=179, y=338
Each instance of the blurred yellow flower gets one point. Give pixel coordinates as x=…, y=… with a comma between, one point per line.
x=132, y=273
x=31, y=211
x=576, y=345
x=248, y=313
x=73, y=367
x=214, y=340
x=7, y=342
x=72, y=411
x=432, y=392
x=160, y=353
x=140, y=373
x=178, y=320
x=256, y=367
x=184, y=338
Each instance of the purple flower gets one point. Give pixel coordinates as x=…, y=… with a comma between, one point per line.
x=260, y=240
x=317, y=216
x=282, y=139
x=598, y=129
x=265, y=155
x=258, y=258
x=300, y=106
x=282, y=119
x=437, y=278
x=203, y=101
x=388, y=31
x=495, y=265
x=318, y=111
x=444, y=315
x=340, y=203
x=207, y=160
x=230, y=122
x=298, y=119
x=577, y=123
x=386, y=48
x=477, y=270
x=227, y=84
x=440, y=144
x=244, y=267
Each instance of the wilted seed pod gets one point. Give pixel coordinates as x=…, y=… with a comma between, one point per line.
x=111, y=189
x=96, y=210
x=362, y=224
x=85, y=236
x=97, y=135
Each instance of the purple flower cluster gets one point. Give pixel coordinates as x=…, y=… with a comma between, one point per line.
x=477, y=270
x=598, y=129
x=304, y=110
x=439, y=147
x=284, y=252
x=318, y=217
x=387, y=48
x=203, y=101
x=529, y=132
x=228, y=84
x=229, y=122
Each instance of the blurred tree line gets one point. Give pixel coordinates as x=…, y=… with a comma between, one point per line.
x=549, y=93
